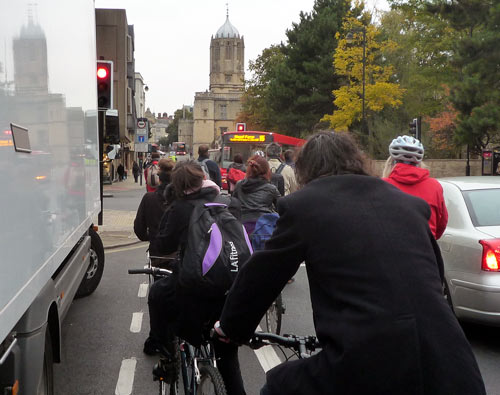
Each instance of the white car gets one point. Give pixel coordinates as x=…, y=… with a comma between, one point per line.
x=470, y=247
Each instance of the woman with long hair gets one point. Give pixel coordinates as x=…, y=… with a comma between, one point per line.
x=256, y=194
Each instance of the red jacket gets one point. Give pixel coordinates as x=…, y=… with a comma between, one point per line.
x=416, y=181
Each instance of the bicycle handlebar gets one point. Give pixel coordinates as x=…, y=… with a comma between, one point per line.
x=155, y=271
x=304, y=345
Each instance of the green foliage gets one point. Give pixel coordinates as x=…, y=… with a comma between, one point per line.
x=173, y=128
x=291, y=90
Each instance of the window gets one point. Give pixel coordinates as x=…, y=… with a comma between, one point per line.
x=129, y=101
x=229, y=51
x=228, y=78
x=205, y=112
x=130, y=49
x=223, y=111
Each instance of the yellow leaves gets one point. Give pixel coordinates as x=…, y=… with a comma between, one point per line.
x=362, y=43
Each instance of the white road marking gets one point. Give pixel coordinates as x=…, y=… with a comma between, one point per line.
x=126, y=377
x=302, y=265
x=136, y=324
x=267, y=356
x=143, y=290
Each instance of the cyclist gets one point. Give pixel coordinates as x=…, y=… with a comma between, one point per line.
x=404, y=170
x=256, y=194
x=153, y=205
x=374, y=272
x=173, y=309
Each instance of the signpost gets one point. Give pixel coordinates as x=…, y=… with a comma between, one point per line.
x=141, y=141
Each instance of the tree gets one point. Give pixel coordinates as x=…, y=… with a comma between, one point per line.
x=475, y=93
x=173, y=128
x=293, y=86
x=380, y=92
x=163, y=141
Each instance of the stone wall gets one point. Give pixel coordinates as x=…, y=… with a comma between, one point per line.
x=439, y=167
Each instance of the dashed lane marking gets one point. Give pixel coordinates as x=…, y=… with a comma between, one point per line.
x=136, y=324
x=126, y=377
x=267, y=356
x=143, y=290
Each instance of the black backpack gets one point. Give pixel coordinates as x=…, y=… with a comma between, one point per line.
x=217, y=247
x=277, y=178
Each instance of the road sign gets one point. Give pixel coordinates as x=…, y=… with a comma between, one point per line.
x=141, y=147
x=141, y=123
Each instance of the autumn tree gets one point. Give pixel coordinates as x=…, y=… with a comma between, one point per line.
x=380, y=90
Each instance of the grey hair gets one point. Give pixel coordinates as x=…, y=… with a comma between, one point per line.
x=273, y=150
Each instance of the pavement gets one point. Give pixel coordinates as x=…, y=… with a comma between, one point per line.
x=117, y=229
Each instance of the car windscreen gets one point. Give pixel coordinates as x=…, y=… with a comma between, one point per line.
x=483, y=206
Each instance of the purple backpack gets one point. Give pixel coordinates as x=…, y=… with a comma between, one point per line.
x=217, y=247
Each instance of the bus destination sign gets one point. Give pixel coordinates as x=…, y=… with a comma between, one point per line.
x=248, y=138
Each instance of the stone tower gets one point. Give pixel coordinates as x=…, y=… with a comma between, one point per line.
x=215, y=110
x=227, y=60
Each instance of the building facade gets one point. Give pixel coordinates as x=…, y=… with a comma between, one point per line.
x=115, y=42
x=216, y=109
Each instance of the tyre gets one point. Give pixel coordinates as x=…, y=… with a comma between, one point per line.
x=273, y=316
x=211, y=382
x=95, y=269
x=169, y=389
x=46, y=384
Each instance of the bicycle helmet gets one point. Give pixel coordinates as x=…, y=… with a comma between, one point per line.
x=406, y=149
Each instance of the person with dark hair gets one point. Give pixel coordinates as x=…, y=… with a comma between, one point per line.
x=375, y=276
x=237, y=165
x=273, y=152
x=135, y=171
x=256, y=194
x=151, y=167
x=121, y=172
x=290, y=158
x=173, y=309
x=210, y=168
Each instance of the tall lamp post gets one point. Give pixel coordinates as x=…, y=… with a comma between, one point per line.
x=349, y=39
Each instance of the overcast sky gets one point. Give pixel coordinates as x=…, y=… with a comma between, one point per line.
x=172, y=39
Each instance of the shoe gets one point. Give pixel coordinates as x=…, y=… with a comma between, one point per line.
x=150, y=347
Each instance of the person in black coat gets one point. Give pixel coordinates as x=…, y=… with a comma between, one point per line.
x=153, y=205
x=375, y=275
x=174, y=310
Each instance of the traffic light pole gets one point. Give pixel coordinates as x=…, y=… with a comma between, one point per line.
x=100, y=120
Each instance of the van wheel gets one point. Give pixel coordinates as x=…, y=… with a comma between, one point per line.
x=96, y=266
x=46, y=384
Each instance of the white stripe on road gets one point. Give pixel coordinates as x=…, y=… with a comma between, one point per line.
x=136, y=324
x=143, y=290
x=267, y=356
x=126, y=377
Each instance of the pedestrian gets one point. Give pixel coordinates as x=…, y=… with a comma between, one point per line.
x=151, y=168
x=290, y=158
x=120, y=170
x=404, y=169
x=174, y=308
x=273, y=152
x=135, y=171
x=256, y=193
x=375, y=277
x=210, y=168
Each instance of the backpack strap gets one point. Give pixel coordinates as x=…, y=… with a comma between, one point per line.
x=280, y=168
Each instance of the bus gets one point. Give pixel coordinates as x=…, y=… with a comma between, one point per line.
x=247, y=143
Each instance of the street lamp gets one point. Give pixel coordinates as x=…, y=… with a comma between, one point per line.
x=349, y=38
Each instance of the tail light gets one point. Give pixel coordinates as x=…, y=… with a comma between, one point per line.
x=491, y=255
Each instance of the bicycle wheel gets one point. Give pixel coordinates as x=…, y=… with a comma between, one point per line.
x=169, y=389
x=211, y=382
x=273, y=316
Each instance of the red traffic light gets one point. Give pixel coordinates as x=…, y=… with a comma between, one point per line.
x=241, y=127
x=102, y=72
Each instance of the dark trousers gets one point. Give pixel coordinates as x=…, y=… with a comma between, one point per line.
x=164, y=310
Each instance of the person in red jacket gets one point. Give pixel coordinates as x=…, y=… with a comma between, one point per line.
x=404, y=170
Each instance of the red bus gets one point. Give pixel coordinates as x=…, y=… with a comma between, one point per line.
x=247, y=143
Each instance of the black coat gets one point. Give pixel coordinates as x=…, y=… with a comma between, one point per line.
x=257, y=196
x=374, y=275
x=149, y=214
x=213, y=170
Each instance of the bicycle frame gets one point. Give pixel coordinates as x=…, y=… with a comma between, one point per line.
x=191, y=358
